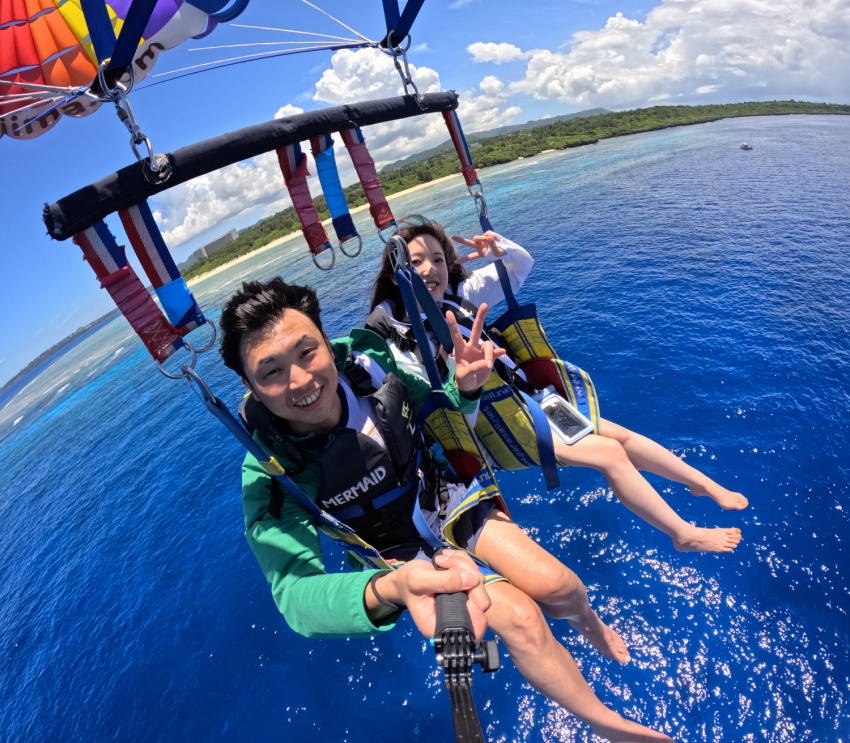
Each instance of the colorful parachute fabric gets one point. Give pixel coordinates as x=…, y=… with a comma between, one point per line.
x=47, y=59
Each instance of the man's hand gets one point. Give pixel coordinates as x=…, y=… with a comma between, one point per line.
x=417, y=582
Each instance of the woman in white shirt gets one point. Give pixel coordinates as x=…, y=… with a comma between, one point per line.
x=615, y=451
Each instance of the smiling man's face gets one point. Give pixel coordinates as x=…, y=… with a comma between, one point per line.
x=290, y=368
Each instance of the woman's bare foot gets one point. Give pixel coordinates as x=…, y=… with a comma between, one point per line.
x=728, y=499
x=601, y=636
x=697, y=539
x=626, y=731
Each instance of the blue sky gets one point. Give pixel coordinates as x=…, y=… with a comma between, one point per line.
x=511, y=61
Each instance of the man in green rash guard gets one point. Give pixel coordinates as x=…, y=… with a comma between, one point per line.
x=337, y=416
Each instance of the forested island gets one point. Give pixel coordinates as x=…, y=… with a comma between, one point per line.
x=505, y=148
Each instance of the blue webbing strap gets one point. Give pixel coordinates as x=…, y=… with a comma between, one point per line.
x=406, y=289
x=369, y=555
x=323, y=153
x=100, y=28
x=398, y=24
x=138, y=15
x=432, y=311
x=228, y=14
x=545, y=444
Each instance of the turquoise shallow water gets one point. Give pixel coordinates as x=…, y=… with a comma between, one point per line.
x=705, y=289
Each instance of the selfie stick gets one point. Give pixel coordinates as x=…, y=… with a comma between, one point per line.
x=457, y=650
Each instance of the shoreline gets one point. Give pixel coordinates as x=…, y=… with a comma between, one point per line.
x=293, y=235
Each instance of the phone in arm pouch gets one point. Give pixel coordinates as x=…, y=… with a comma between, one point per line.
x=566, y=422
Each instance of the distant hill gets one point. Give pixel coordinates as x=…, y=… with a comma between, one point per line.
x=498, y=131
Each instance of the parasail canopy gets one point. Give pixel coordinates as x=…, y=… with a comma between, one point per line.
x=51, y=51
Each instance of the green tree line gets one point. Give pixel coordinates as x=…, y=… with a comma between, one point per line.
x=508, y=147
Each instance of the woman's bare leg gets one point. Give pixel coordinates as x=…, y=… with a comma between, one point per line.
x=607, y=454
x=558, y=590
x=550, y=669
x=649, y=455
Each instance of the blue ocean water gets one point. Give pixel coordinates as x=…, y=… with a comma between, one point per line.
x=705, y=289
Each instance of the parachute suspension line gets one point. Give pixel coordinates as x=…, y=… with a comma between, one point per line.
x=178, y=302
x=341, y=533
x=347, y=28
x=476, y=190
x=322, y=148
x=293, y=165
x=116, y=275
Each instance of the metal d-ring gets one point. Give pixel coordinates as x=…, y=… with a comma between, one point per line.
x=190, y=365
x=350, y=239
x=330, y=265
x=393, y=231
x=212, y=340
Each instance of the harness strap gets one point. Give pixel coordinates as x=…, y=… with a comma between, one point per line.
x=116, y=275
x=339, y=532
x=355, y=143
x=542, y=429
x=138, y=15
x=323, y=153
x=470, y=175
x=178, y=302
x=398, y=24
x=293, y=166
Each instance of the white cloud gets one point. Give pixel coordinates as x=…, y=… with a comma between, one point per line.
x=288, y=110
x=498, y=53
x=194, y=208
x=688, y=49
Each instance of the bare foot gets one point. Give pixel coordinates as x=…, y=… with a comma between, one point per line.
x=601, y=636
x=724, y=498
x=626, y=731
x=697, y=539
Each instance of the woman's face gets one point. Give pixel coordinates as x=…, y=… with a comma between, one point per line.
x=290, y=369
x=429, y=260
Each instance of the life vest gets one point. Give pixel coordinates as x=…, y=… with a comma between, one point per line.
x=372, y=488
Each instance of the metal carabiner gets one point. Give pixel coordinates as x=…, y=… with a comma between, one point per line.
x=398, y=253
x=319, y=265
x=480, y=204
x=404, y=73
x=192, y=377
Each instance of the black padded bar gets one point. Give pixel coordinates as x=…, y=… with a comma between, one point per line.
x=128, y=186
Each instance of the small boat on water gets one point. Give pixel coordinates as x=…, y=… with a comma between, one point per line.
x=745, y=146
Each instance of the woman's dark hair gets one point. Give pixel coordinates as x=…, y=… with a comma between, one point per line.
x=385, y=289
x=258, y=306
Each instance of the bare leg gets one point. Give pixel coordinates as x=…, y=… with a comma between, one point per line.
x=550, y=669
x=558, y=590
x=649, y=455
x=607, y=455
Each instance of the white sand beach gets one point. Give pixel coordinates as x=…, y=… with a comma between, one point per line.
x=293, y=236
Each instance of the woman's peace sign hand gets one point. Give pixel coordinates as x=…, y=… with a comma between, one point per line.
x=486, y=245
x=473, y=359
